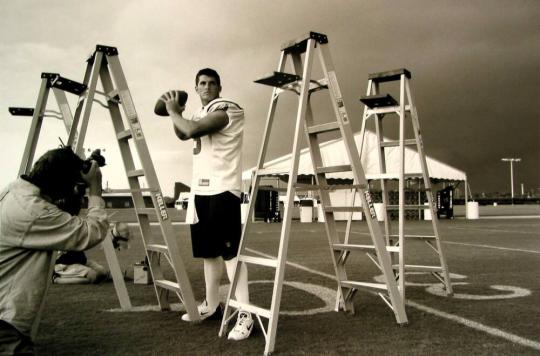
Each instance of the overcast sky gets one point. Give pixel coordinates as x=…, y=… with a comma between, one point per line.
x=475, y=71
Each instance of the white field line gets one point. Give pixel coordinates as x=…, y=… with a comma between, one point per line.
x=469, y=323
x=496, y=230
x=493, y=247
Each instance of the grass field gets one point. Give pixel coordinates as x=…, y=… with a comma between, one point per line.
x=495, y=265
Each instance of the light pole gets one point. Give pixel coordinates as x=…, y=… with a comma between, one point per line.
x=511, y=160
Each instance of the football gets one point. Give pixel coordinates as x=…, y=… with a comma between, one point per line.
x=160, y=108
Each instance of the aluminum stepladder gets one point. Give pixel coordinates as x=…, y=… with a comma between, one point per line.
x=302, y=83
x=59, y=86
x=105, y=65
x=377, y=107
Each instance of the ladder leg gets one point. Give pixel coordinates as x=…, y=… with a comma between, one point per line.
x=35, y=128
x=359, y=176
x=429, y=193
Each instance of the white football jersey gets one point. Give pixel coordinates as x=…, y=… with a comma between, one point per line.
x=217, y=158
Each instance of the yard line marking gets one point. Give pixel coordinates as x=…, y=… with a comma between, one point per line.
x=491, y=246
x=478, y=326
x=495, y=230
x=469, y=323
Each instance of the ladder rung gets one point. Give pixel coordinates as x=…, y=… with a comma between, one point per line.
x=266, y=172
x=365, y=285
x=328, y=127
x=269, y=262
x=124, y=135
x=130, y=190
x=392, y=176
x=250, y=308
x=349, y=247
x=387, y=110
x=21, y=111
x=135, y=173
x=407, y=207
x=278, y=79
x=298, y=45
x=420, y=237
x=345, y=209
x=57, y=81
x=163, y=283
x=146, y=211
x=378, y=101
x=157, y=248
x=334, y=169
x=409, y=142
x=390, y=75
x=419, y=268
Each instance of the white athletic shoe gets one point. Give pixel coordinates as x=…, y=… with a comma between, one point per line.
x=204, y=312
x=243, y=327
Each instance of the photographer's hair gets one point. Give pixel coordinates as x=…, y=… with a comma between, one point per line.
x=56, y=173
x=210, y=73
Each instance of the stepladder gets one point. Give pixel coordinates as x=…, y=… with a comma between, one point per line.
x=407, y=144
x=60, y=86
x=302, y=52
x=104, y=65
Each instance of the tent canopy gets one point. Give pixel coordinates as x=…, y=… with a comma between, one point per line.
x=334, y=154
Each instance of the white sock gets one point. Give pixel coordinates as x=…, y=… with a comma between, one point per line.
x=213, y=269
x=242, y=291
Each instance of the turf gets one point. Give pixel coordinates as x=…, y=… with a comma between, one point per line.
x=77, y=318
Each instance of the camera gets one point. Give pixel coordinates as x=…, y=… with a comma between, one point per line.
x=73, y=203
x=94, y=156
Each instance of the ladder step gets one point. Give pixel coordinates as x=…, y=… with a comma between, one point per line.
x=322, y=128
x=407, y=207
x=420, y=237
x=278, y=79
x=378, y=101
x=409, y=142
x=365, y=285
x=299, y=45
x=269, y=262
x=419, y=268
x=165, y=284
x=157, y=248
x=124, y=135
x=146, y=211
x=57, y=81
x=392, y=176
x=334, y=169
x=343, y=209
x=369, y=248
x=21, y=111
x=135, y=173
x=141, y=190
x=390, y=75
x=250, y=308
x=387, y=110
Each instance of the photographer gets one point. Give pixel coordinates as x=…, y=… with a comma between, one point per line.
x=38, y=217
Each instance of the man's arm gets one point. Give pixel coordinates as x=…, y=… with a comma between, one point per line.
x=58, y=230
x=187, y=129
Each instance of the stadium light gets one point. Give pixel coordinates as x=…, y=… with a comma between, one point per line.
x=511, y=160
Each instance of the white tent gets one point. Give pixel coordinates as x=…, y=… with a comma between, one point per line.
x=334, y=154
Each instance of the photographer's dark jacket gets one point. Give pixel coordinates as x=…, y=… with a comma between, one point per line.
x=31, y=229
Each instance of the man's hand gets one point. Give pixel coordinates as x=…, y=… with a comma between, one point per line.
x=171, y=103
x=93, y=179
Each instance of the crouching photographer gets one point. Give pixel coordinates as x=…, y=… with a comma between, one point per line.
x=38, y=215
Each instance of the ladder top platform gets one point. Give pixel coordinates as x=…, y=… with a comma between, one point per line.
x=378, y=101
x=278, y=79
x=299, y=45
x=21, y=111
x=389, y=75
x=55, y=80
